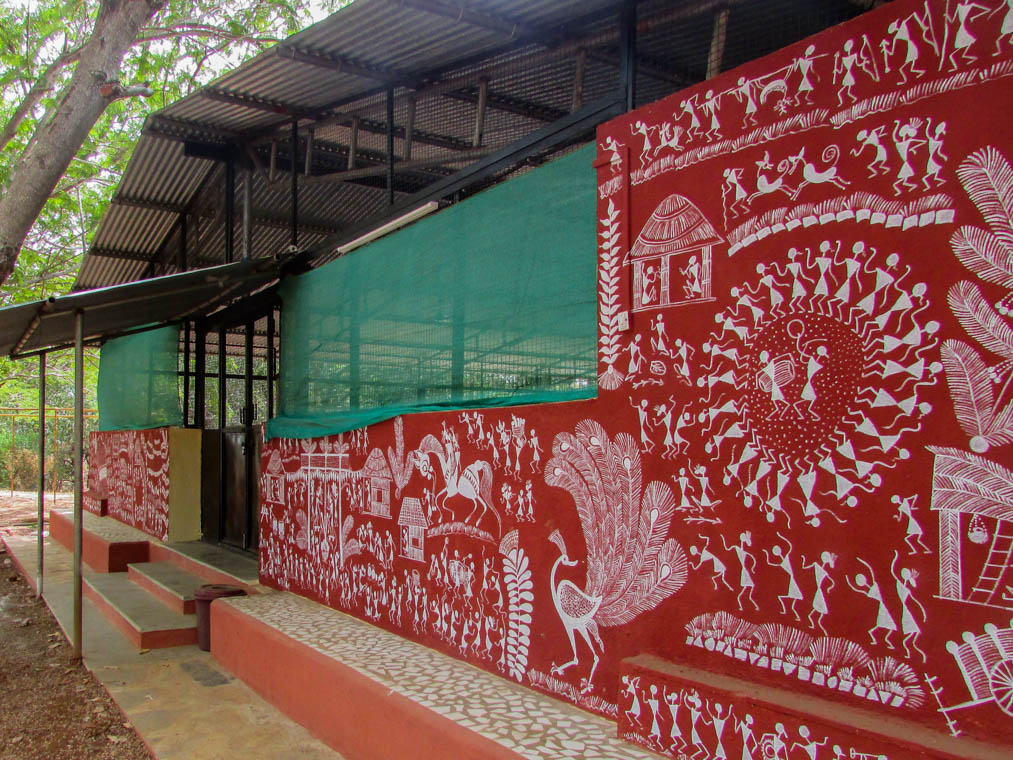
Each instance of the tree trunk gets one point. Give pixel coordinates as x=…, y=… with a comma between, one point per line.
x=57, y=140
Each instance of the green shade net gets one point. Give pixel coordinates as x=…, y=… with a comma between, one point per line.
x=138, y=384
x=491, y=302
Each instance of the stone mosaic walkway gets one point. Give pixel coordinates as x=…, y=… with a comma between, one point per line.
x=528, y=723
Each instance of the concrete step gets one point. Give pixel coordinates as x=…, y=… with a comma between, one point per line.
x=107, y=545
x=213, y=564
x=143, y=619
x=169, y=584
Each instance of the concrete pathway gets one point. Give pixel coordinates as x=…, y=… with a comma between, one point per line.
x=182, y=704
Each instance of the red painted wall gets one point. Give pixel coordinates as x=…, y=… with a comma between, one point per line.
x=798, y=469
x=130, y=468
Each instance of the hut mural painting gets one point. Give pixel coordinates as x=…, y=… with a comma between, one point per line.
x=797, y=469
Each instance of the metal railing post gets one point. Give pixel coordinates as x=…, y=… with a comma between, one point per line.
x=39, y=553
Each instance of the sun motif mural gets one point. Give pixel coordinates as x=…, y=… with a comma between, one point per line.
x=814, y=380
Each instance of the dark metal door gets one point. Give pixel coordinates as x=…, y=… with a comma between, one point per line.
x=235, y=526
x=244, y=387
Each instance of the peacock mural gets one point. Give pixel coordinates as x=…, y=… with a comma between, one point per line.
x=631, y=565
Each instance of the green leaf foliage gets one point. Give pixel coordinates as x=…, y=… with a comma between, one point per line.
x=187, y=44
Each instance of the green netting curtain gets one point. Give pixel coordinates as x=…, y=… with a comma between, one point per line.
x=138, y=382
x=490, y=302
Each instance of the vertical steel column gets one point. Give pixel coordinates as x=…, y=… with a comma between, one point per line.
x=200, y=378
x=457, y=349
x=248, y=447
x=270, y=364
x=480, y=110
x=230, y=211
x=181, y=253
x=308, y=158
x=42, y=476
x=248, y=414
x=222, y=419
x=390, y=146
x=354, y=368
x=353, y=142
x=78, y=471
x=247, y=214
x=580, y=65
x=717, y=49
x=295, y=182
x=628, y=53
x=222, y=383
x=409, y=130
x=186, y=374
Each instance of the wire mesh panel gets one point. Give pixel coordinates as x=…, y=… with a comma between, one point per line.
x=489, y=303
x=137, y=381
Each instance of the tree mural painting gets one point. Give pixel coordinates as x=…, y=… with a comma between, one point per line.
x=763, y=472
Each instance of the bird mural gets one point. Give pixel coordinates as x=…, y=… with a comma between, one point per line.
x=631, y=565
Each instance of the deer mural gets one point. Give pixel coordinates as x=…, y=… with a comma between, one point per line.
x=631, y=565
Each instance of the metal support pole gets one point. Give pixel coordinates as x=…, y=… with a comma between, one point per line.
x=39, y=552
x=628, y=53
x=390, y=146
x=577, y=99
x=457, y=348
x=353, y=142
x=222, y=381
x=200, y=378
x=186, y=375
x=181, y=253
x=230, y=211
x=270, y=364
x=248, y=418
x=248, y=413
x=717, y=49
x=409, y=130
x=222, y=420
x=56, y=461
x=308, y=168
x=78, y=471
x=247, y=215
x=295, y=182
x=483, y=104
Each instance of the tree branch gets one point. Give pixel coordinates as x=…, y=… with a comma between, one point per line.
x=42, y=85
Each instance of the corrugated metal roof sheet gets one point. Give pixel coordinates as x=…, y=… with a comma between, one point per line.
x=431, y=51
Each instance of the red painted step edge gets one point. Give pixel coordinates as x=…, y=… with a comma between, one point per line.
x=344, y=708
x=100, y=555
x=140, y=639
x=160, y=553
x=162, y=594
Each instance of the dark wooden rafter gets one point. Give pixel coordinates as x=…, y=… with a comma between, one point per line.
x=507, y=103
x=502, y=24
x=557, y=42
x=160, y=251
x=552, y=137
x=258, y=220
x=245, y=100
x=339, y=64
x=119, y=253
x=185, y=130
